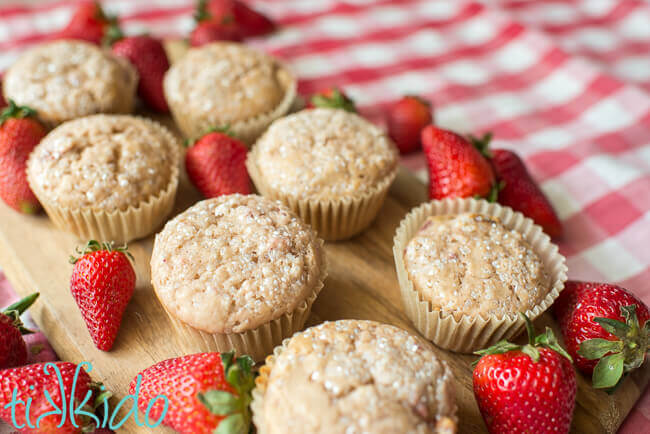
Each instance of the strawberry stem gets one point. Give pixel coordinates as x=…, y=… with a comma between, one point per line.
x=16, y=309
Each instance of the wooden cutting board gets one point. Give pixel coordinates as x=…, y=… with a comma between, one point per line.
x=362, y=284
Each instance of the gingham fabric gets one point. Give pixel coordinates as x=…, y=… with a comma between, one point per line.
x=564, y=83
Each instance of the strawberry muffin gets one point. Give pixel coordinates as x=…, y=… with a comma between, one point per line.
x=65, y=80
x=221, y=84
x=332, y=167
x=238, y=272
x=354, y=376
x=106, y=177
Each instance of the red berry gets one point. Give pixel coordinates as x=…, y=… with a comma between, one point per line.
x=251, y=22
x=520, y=192
x=13, y=351
x=577, y=306
x=148, y=56
x=216, y=165
x=332, y=97
x=529, y=388
x=88, y=23
x=102, y=284
x=406, y=119
x=191, y=384
x=211, y=31
x=19, y=135
x=456, y=167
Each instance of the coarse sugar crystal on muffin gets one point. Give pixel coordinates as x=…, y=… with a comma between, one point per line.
x=221, y=84
x=235, y=263
x=472, y=264
x=107, y=162
x=324, y=153
x=354, y=376
x=67, y=79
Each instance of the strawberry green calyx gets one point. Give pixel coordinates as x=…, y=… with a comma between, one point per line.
x=96, y=246
x=336, y=100
x=233, y=406
x=223, y=129
x=544, y=340
x=16, y=111
x=617, y=357
x=18, y=308
x=482, y=144
x=493, y=195
x=113, y=33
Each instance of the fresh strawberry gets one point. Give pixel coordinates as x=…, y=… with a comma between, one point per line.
x=605, y=328
x=526, y=388
x=13, y=351
x=457, y=167
x=88, y=23
x=332, y=97
x=251, y=22
x=211, y=31
x=207, y=392
x=216, y=165
x=32, y=381
x=20, y=132
x=519, y=191
x=406, y=119
x=148, y=56
x=102, y=284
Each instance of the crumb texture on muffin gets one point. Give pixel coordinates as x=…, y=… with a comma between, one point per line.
x=472, y=264
x=64, y=80
x=323, y=154
x=232, y=263
x=357, y=376
x=223, y=83
x=107, y=162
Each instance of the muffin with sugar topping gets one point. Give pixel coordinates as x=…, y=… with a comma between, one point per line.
x=332, y=167
x=467, y=269
x=66, y=79
x=107, y=177
x=225, y=83
x=240, y=271
x=354, y=376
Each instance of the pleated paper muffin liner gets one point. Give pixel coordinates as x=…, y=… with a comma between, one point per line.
x=258, y=342
x=247, y=130
x=456, y=331
x=334, y=219
x=445, y=425
x=121, y=226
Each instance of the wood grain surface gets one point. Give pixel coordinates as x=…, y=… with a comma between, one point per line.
x=362, y=284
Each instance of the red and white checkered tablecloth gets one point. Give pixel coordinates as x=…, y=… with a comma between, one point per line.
x=564, y=82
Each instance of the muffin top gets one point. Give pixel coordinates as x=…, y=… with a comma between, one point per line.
x=64, y=80
x=472, y=264
x=226, y=83
x=358, y=376
x=324, y=154
x=107, y=162
x=230, y=264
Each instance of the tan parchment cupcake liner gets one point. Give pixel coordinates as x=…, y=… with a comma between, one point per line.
x=120, y=226
x=246, y=130
x=456, y=331
x=333, y=219
x=258, y=342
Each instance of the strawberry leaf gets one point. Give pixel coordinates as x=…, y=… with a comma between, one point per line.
x=336, y=100
x=608, y=371
x=629, y=313
x=615, y=327
x=15, y=310
x=233, y=424
x=549, y=340
x=16, y=111
x=596, y=348
x=531, y=352
x=482, y=144
x=220, y=402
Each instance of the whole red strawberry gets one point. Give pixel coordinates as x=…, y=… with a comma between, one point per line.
x=205, y=391
x=32, y=381
x=88, y=23
x=148, y=56
x=332, y=97
x=526, y=389
x=520, y=192
x=211, y=31
x=13, y=351
x=406, y=119
x=457, y=167
x=605, y=328
x=216, y=165
x=20, y=132
x=102, y=284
